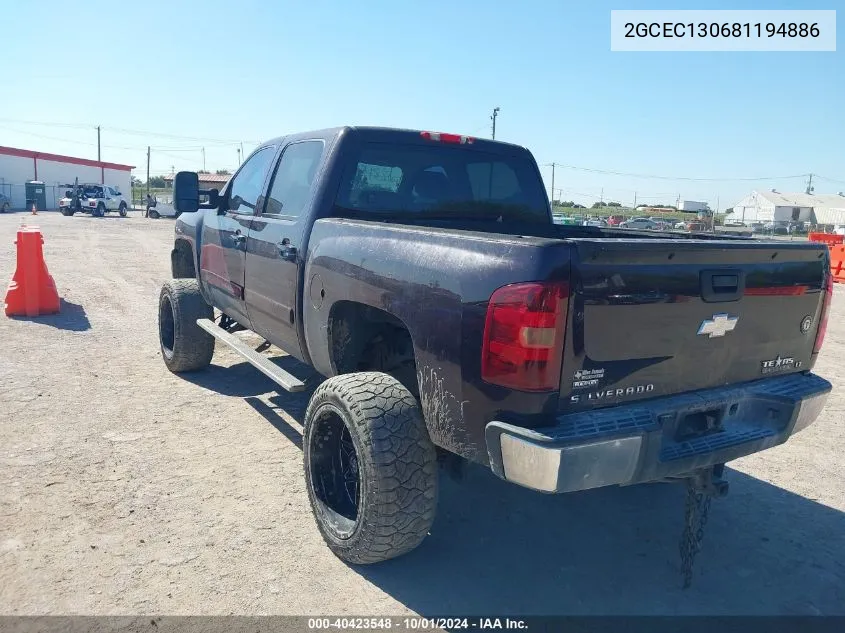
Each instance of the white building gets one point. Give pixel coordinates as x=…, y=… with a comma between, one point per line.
x=769, y=206
x=19, y=166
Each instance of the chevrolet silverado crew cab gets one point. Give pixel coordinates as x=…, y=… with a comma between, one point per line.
x=422, y=274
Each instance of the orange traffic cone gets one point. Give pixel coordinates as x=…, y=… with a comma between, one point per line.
x=32, y=290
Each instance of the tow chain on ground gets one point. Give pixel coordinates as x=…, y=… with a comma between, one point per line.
x=701, y=488
x=696, y=508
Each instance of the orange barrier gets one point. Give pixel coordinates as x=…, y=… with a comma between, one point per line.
x=837, y=263
x=831, y=239
x=32, y=290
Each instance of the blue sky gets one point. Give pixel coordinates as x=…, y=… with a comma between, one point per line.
x=166, y=73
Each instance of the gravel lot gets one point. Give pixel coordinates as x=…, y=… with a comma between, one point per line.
x=128, y=490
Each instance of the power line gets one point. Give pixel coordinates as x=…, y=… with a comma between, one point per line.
x=182, y=158
x=67, y=140
x=656, y=177
x=177, y=136
x=126, y=131
x=44, y=123
x=839, y=182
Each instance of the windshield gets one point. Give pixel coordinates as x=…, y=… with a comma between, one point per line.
x=442, y=181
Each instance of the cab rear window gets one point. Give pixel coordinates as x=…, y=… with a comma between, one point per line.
x=442, y=181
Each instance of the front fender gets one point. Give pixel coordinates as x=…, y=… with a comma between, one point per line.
x=188, y=229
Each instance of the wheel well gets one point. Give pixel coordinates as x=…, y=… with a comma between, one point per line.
x=182, y=261
x=363, y=338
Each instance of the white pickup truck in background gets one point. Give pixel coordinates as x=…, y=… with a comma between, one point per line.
x=94, y=199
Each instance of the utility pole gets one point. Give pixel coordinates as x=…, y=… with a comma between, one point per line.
x=635, y=200
x=98, y=143
x=203, y=159
x=553, y=182
x=239, y=157
x=810, y=185
x=148, y=170
x=495, y=114
x=602, y=195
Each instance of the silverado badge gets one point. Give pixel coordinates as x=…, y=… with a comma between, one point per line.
x=719, y=325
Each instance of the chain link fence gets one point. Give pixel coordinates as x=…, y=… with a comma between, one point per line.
x=16, y=196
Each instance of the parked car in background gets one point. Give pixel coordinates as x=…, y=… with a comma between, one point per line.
x=5, y=203
x=695, y=227
x=566, y=220
x=734, y=223
x=757, y=227
x=638, y=223
x=662, y=224
x=776, y=228
x=161, y=209
x=599, y=222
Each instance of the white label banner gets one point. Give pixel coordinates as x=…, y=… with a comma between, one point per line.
x=728, y=30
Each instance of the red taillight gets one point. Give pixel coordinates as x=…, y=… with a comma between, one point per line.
x=523, y=336
x=443, y=137
x=828, y=297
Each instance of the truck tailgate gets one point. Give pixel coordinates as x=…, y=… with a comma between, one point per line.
x=663, y=316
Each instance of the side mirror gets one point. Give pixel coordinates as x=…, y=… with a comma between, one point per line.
x=186, y=192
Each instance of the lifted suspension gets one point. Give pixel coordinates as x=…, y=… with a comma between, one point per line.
x=702, y=486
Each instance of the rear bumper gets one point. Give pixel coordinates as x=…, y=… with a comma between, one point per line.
x=638, y=443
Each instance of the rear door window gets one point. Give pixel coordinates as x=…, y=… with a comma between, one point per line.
x=294, y=180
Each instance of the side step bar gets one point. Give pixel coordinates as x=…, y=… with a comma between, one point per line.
x=275, y=373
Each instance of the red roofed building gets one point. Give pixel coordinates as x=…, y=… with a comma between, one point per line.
x=55, y=171
x=207, y=181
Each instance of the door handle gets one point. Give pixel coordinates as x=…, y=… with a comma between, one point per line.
x=286, y=251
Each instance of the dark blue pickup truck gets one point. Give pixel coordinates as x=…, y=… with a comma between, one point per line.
x=422, y=274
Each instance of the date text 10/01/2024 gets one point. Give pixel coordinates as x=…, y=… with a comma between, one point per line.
x=416, y=623
x=715, y=29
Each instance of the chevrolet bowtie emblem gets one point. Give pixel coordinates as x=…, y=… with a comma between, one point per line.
x=719, y=325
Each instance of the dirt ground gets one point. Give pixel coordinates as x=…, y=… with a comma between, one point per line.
x=127, y=490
